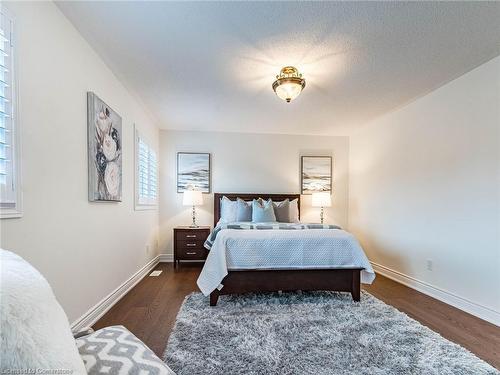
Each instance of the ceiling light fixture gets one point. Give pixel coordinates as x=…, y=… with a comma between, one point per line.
x=289, y=84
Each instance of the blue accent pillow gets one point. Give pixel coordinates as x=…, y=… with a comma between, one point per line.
x=263, y=212
x=227, y=210
x=243, y=210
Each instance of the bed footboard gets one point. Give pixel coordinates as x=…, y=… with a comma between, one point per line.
x=255, y=281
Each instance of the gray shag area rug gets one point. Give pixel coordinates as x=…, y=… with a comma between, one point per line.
x=309, y=333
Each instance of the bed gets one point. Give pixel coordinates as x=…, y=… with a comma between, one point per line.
x=244, y=261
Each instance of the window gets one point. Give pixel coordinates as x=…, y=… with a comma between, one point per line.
x=10, y=192
x=146, y=175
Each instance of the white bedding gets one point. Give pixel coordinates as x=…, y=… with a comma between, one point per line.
x=236, y=249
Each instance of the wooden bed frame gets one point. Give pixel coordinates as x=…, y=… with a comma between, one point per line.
x=247, y=281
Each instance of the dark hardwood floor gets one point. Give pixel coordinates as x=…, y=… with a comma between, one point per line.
x=150, y=308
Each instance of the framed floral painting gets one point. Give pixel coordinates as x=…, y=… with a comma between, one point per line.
x=104, y=127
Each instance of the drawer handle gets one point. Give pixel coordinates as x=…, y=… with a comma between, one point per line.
x=191, y=236
x=190, y=244
x=193, y=253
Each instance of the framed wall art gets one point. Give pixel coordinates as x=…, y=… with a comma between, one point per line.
x=316, y=174
x=193, y=171
x=104, y=129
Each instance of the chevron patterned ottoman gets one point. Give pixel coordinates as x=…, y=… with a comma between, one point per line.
x=116, y=351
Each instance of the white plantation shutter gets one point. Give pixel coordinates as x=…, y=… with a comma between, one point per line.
x=10, y=201
x=147, y=173
x=153, y=175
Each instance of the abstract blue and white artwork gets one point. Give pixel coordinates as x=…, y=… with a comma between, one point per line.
x=104, y=127
x=193, y=171
x=316, y=174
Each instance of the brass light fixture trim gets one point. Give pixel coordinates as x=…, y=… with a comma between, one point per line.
x=289, y=83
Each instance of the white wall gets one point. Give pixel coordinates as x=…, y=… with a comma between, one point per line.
x=248, y=163
x=425, y=184
x=84, y=249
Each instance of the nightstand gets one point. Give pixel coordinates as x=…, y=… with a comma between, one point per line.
x=188, y=243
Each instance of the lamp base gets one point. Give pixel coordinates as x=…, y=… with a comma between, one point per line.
x=193, y=224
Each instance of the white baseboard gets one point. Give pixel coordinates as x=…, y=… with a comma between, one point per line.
x=461, y=303
x=166, y=258
x=96, y=312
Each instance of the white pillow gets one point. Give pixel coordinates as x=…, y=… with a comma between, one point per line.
x=35, y=330
x=228, y=210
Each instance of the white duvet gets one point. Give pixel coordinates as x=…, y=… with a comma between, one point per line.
x=236, y=249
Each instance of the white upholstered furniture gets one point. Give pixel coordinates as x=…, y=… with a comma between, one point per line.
x=36, y=335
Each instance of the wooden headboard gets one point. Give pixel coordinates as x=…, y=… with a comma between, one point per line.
x=249, y=197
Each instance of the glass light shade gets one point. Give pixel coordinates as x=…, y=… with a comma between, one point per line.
x=192, y=198
x=289, y=84
x=288, y=90
x=321, y=199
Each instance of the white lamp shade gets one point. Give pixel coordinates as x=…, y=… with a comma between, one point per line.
x=321, y=199
x=192, y=198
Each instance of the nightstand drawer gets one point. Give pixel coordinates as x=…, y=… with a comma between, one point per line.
x=198, y=235
x=190, y=245
x=191, y=253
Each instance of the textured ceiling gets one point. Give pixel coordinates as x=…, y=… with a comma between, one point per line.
x=210, y=66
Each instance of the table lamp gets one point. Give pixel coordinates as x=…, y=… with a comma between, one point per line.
x=192, y=198
x=321, y=199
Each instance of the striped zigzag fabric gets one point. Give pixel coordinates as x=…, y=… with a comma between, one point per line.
x=116, y=351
